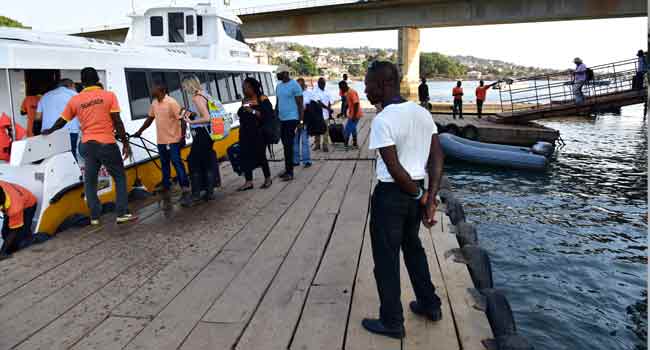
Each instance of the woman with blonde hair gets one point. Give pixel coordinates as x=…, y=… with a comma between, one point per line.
x=204, y=168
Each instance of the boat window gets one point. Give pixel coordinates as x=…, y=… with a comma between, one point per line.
x=156, y=25
x=233, y=30
x=224, y=83
x=237, y=79
x=189, y=25
x=176, y=27
x=214, y=89
x=268, y=84
x=203, y=78
x=173, y=82
x=199, y=25
x=139, y=98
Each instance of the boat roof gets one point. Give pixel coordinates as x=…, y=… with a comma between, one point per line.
x=29, y=49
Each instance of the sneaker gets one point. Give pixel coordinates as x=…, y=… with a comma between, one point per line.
x=377, y=326
x=307, y=165
x=94, y=222
x=186, y=199
x=123, y=219
x=433, y=314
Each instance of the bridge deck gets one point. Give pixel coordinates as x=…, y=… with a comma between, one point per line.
x=287, y=267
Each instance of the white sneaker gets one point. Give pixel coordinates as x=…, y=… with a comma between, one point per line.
x=123, y=219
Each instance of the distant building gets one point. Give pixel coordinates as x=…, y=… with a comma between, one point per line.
x=474, y=74
x=289, y=55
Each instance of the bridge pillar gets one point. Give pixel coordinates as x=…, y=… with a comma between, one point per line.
x=408, y=53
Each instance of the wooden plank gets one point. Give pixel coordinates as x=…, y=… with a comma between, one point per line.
x=151, y=240
x=211, y=336
x=169, y=329
x=114, y=334
x=365, y=303
x=277, y=316
x=152, y=297
x=71, y=326
x=472, y=324
x=335, y=278
x=345, y=243
x=421, y=332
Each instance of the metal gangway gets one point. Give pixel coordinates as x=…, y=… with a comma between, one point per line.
x=613, y=85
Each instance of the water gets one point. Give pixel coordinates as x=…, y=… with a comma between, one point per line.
x=568, y=246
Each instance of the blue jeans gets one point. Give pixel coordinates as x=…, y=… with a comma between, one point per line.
x=172, y=152
x=301, y=135
x=350, y=129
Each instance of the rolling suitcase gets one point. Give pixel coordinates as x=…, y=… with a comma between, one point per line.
x=336, y=132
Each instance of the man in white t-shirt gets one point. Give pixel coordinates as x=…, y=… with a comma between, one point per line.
x=579, y=79
x=409, y=151
x=323, y=97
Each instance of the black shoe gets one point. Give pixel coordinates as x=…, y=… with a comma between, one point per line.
x=266, y=184
x=433, y=314
x=307, y=165
x=245, y=188
x=209, y=196
x=286, y=177
x=4, y=256
x=376, y=326
x=296, y=164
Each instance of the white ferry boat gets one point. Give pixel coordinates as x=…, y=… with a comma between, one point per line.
x=163, y=44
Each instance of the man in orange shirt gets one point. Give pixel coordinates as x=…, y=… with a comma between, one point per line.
x=18, y=207
x=457, y=92
x=170, y=134
x=353, y=113
x=99, y=117
x=481, y=92
x=28, y=107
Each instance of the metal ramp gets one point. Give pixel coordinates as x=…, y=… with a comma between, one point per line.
x=614, y=85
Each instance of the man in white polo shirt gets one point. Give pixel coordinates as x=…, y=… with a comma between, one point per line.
x=406, y=138
x=52, y=104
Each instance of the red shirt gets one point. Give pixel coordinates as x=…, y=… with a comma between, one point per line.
x=17, y=199
x=481, y=91
x=93, y=106
x=458, y=93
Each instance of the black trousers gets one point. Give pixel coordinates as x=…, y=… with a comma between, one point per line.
x=13, y=239
x=203, y=163
x=458, y=107
x=394, y=223
x=287, y=134
x=479, y=107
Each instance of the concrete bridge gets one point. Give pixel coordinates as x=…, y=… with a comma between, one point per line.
x=407, y=16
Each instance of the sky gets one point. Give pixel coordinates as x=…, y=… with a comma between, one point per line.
x=548, y=44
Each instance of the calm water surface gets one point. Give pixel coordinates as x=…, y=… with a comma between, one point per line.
x=569, y=246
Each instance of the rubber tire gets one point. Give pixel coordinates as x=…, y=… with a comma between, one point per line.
x=470, y=132
x=452, y=129
x=479, y=266
x=455, y=210
x=467, y=234
x=499, y=314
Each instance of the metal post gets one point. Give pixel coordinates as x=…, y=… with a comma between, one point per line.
x=11, y=106
x=512, y=104
x=501, y=98
x=550, y=96
x=536, y=96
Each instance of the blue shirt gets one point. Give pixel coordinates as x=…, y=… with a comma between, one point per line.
x=286, y=94
x=643, y=66
x=52, y=105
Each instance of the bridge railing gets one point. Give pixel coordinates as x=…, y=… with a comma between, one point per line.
x=289, y=6
x=556, y=89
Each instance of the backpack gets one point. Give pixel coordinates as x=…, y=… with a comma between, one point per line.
x=220, y=122
x=314, y=119
x=271, y=129
x=589, y=74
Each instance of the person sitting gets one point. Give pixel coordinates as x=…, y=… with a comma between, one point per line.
x=18, y=206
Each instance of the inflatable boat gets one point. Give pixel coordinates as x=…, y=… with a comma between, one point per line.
x=534, y=158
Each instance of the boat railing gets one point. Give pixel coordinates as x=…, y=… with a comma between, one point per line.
x=558, y=89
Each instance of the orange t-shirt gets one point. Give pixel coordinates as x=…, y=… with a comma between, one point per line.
x=353, y=98
x=457, y=91
x=481, y=91
x=93, y=106
x=5, y=136
x=166, y=113
x=17, y=199
x=29, y=106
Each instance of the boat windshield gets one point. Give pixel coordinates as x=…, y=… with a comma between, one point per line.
x=233, y=30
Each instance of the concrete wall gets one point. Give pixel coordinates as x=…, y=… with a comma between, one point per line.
x=395, y=14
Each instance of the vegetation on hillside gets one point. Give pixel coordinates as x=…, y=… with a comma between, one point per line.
x=8, y=22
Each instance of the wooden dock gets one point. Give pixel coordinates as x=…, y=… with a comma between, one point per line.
x=289, y=267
